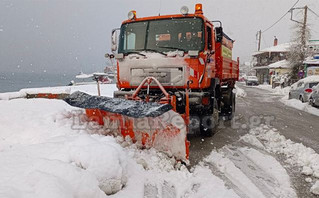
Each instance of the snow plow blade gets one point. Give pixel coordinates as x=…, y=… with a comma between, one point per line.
x=148, y=124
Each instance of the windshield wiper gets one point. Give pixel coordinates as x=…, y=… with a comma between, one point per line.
x=134, y=52
x=154, y=50
x=176, y=48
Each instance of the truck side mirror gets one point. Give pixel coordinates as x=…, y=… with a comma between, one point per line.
x=219, y=34
x=114, y=39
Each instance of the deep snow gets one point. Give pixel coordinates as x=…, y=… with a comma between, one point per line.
x=296, y=153
x=45, y=153
x=106, y=90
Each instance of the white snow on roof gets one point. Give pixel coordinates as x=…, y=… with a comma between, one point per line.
x=81, y=76
x=279, y=64
x=279, y=48
x=312, y=60
x=261, y=67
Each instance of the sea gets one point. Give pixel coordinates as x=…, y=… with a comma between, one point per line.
x=12, y=81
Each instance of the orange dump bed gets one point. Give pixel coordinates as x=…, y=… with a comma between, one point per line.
x=226, y=68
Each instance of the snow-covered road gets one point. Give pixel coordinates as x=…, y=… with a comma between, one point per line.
x=257, y=107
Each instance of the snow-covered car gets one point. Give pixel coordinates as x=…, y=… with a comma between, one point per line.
x=303, y=88
x=314, y=97
x=251, y=80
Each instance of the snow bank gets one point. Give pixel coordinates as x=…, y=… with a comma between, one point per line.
x=276, y=90
x=40, y=153
x=315, y=188
x=296, y=153
x=81, y=166
x=239, y=92
x=160, y=178
x=106, y=90
x=44, y=153
x=297, y=104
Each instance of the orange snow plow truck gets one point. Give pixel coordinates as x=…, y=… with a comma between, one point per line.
x=175, y=76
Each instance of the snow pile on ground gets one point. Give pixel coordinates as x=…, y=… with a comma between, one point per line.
x=106, y=90
x=41, y=156
x=159, y=177
x=277, y=90
x=45, y=152
x=315, y=188
x=297, y=104
x=239, y=92
x=296, y=153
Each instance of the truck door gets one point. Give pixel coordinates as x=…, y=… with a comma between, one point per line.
x=210, y=47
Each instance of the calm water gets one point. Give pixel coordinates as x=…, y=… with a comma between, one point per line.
x=16, y=81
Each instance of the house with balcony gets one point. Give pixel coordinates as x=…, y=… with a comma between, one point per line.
x=264, y=61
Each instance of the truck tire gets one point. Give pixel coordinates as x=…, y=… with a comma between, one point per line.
x=229, y=105
x=209, y=123
x=232, y=107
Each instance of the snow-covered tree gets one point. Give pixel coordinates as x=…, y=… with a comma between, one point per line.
x=298, y=50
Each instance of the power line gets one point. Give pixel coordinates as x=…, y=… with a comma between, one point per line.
x=280, y=18
x=313, y=12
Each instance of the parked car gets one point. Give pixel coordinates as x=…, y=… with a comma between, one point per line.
x=302, y=89
x=314, y=97
x=251, y=80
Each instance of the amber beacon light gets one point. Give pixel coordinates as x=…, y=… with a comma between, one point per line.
x=199, y=8
x=132, y=15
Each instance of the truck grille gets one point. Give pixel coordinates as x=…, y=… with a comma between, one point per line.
x=166, y=76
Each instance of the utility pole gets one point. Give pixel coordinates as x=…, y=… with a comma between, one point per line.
x=259, y=39
x=304, y=27
x=304, y=24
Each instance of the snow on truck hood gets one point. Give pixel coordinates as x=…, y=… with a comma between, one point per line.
x=153, y=59
x=169, y=70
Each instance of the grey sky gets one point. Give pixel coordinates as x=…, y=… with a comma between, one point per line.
x=67, y=36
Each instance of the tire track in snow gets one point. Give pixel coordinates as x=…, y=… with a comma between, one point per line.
x=164, y=190
x=248, y=177
x=263, y=181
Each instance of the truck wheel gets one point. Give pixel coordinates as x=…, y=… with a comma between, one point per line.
x=232, y=107
x=228, y=109
x=209, y=123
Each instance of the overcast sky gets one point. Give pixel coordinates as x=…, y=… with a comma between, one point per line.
x=69, y=36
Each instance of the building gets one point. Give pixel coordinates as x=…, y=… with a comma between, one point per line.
x=313, y=47
x=311, y=66
x=279, y=68
x=265, y=57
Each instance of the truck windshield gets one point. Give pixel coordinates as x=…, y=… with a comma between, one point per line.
x=162, y=35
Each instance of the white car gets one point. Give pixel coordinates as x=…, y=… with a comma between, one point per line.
x=302, y=89
x=251, y=80
x=314, y=97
